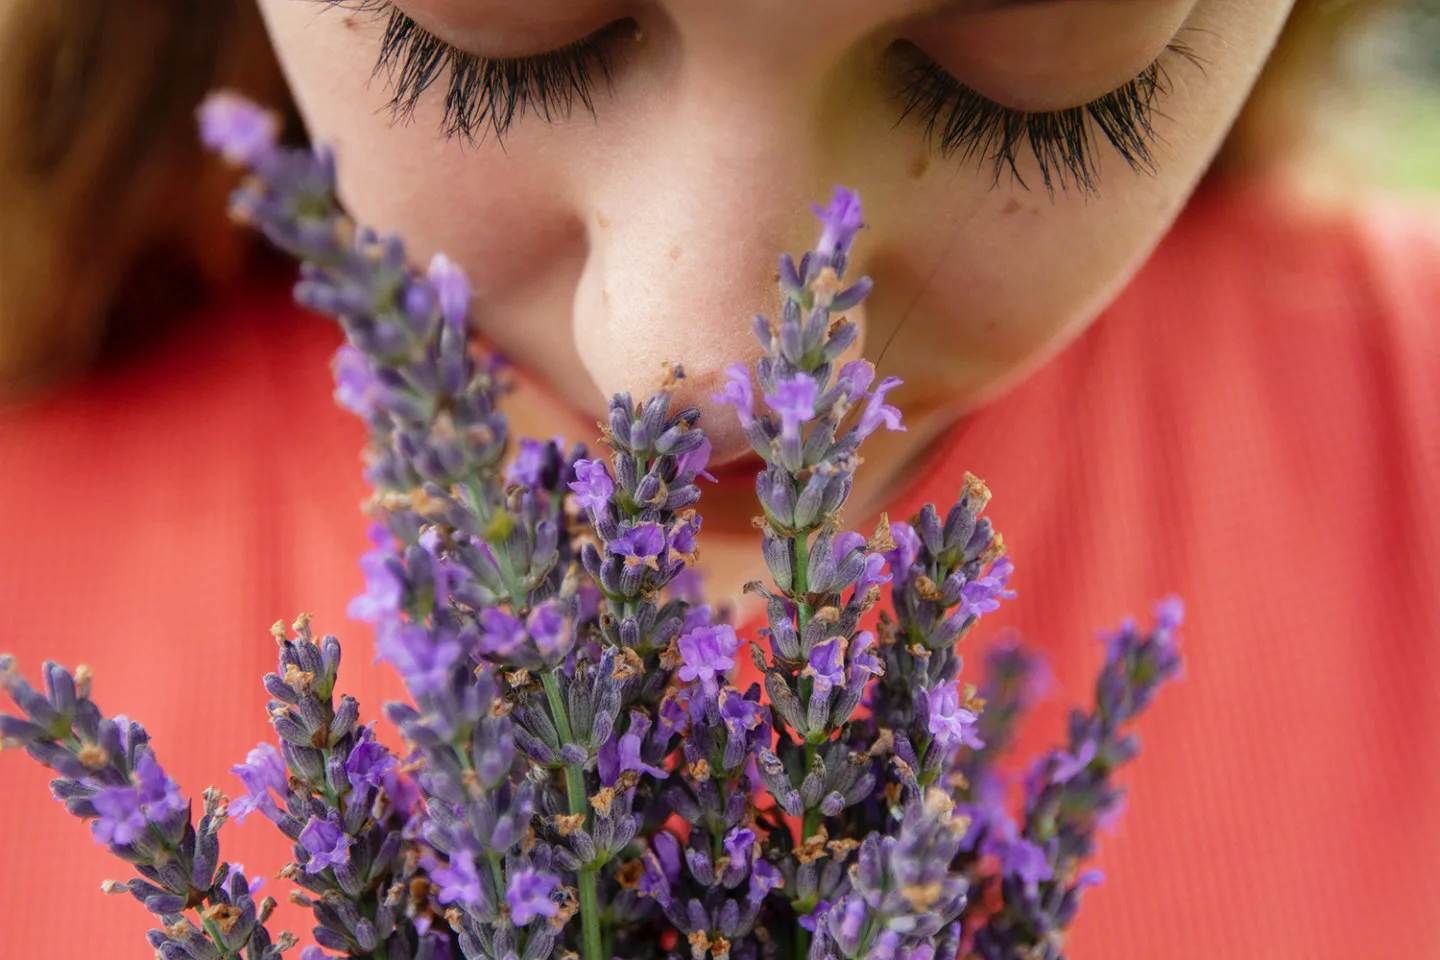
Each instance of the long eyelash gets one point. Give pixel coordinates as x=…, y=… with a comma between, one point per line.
x=1064, y=143
x=483, y=96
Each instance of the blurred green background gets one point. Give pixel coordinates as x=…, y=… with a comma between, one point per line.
x=1388, y=130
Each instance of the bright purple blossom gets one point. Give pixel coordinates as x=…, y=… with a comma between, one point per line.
x=368, y=762
x=592, y=485
x=683, y=534
x=694, y=461
x=706, y=654
x=740, y=714
x=528, y=464
x=764, y=877
x=357, y=389
x=263, y=772
x=738, y=393
x=458, y=880
x=873, y=575
x=622, y=753
x=159, y=795
x=794, y=402
x=907, y=548
x=1026, y=862
x=640, y=545
x=1170, y=613
x=423, y=660
x=1068, y=766
x=739, y=844
x=529, y=895
x=856, y=376
x=384, y=589
x=548, y=628
x=877, y=412
x=242, y=132
x=840, y=220
x=120, y=820
x=452, y=290
x=947, y=720
x=327, y=843
x=983, y=594
x=500, y=633
x=827, y=663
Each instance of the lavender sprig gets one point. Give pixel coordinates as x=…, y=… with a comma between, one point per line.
x=1069, y=795
x=108, y=774
x=820, y=661
x=341, y=799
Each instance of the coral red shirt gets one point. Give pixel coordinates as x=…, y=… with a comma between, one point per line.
x=1254, y=424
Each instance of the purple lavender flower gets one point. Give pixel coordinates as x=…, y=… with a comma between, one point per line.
x=739, y=844
x=384, y=589
x=592, y=485
x=262, y=772
x=159, y=795
x=841, y=219
x=528, y=464
x=706, y=654
x=640, y=545
x=1170, y=613
x=549, y=629
x=794, y=402
x=423, y=660
x=458, y=880
x=738, y=393
x=529, y=895
x=242, y=132
x=623, y=753
x=740, y=714
x=357, y=389
x=983, y=594
x=907, y=548
x=764, y=877
x=327, y=843
x=877, y=412
x=694, y=461
x=947, y=720
x=874, y=575
x=368, y=762
x=121, y=820
x=826, y=663
x=1026, y=862
x=683, y=535
x=452, y=290
x=500, y=633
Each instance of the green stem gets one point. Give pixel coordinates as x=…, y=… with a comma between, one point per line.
x=800, y=576
x=575, y=796
x=590, y=915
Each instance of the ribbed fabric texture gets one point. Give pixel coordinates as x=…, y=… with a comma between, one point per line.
x=1254, y=424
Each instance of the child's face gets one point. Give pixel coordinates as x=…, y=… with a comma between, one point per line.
x=602, y=245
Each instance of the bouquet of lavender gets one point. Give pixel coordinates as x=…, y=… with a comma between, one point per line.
x=580, y=773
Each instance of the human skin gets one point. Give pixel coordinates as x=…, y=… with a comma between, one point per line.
x=602, y=246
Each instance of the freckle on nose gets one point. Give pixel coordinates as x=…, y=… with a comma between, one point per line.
x=602, y=221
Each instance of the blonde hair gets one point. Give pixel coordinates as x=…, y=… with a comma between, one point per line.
x=114, y=218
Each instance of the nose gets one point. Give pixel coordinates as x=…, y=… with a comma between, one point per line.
x=683, y=248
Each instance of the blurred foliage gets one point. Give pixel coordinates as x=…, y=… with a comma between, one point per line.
x=1388, y=130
